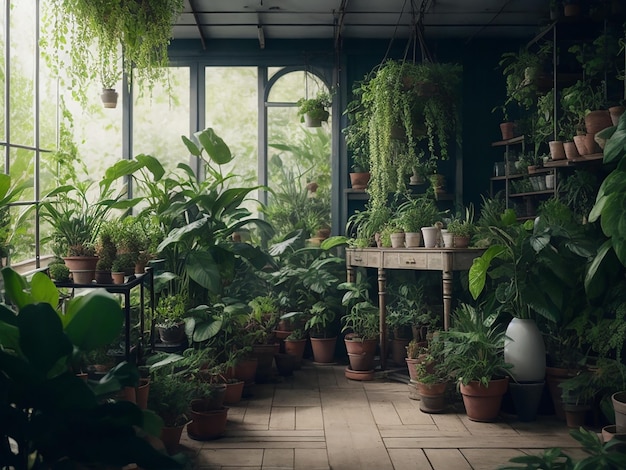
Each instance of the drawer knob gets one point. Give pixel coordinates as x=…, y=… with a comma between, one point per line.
x=410, y=261
x=358, y=259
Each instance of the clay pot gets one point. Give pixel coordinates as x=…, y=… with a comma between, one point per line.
x=323, y=350
x=234, y=391
x=615, y=113
x=359, y=374
x=554, y=376
x=597, y=120
x=246, y=370
x=432, y=397
x=508, y=130
x=207, y=425
x=172, y=334
x=581, y=145
x=359, y=180
x=570, y=150
x=483, y=403
x=296, y=349
x=118, y=277
x=557, y=151
x=171, y=437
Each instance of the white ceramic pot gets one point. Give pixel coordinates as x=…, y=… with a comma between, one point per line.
x=525, y=349
x=448, y=239
x=430, y=236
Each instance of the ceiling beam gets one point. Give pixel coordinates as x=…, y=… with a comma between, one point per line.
x=196, y=18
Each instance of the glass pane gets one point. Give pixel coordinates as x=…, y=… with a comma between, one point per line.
x=22, y=241
x=299, y=163
x=22, y=72
x=231, y=110
x=295, y=85
x=160, y=117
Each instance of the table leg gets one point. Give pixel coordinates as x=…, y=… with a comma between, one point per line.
x=382, y=292
x=447, y=288
x=351, y=274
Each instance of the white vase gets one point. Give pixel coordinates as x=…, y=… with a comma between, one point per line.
x=431, y=236
x=412, y=239
x=525, y=349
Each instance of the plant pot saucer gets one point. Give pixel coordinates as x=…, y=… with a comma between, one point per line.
x=324, y=363
x=359, y=374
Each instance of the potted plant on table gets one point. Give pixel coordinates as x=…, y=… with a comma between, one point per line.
x=415, y=213
x=169, y=318
x=474, y=356
x=462, y=229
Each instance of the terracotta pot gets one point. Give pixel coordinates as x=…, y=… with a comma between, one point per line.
x=359, y=374
x=575, y=415
x=296, y=349
x=207, y=425
x=555, y=376
x=432, y=397
x=483, y=403
x=139, y=394
x=570, y=150
x=171, y=437
x=615, y=113
x=356, y=346
x=214, y=402
x=597, y=120
x=323, y=350
x=591, y=144
x=83, y=268
x=359, y=180
x=246, y=370
x=581, y=144
x=361, y=361
x=398, y=350
x=508, y=130
x=557, y=151
x=610, y=432
x=118, y=277
x=234, y=391
x=412, y=364
x=461, y=242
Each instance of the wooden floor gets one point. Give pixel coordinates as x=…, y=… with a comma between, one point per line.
x=318, y=419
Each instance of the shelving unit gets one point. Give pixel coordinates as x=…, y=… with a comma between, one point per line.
x=529, y=198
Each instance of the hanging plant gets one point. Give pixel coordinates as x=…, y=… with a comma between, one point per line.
x=137, y=30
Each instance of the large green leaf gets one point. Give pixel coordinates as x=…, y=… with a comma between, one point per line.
x=42, y=340
x=203, y=269
x=15, y=287
x=603, y=267
x=95, y=320
x=206, y=330
x=153, y=165
x=215, y=147
x=43, y=290
x=479, y=268
x=615, y=147
x=193, y=148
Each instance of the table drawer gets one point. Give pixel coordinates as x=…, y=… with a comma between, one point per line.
x=406, y=260
x=365, y=258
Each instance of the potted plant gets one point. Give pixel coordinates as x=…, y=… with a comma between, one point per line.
x=432, y=377
x=122, y=266
x=59, y=271
x=106, y=251
x=168, y=317
x=170, y=395
x=462, y=229
x=313, y=111
x=361, y=323
x=357, y=138
x=320, y=325
x=474, y=355
x=295, y=344
x=415, y=213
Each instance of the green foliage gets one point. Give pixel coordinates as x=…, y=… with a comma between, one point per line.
x=128, y=34
x=474, y=347
x=577, y=100
x=609, y=455
x=124, y=262
x=59, y=272
x=170, y=310
x=55, y=418
x=320, y=320
x=170, y=395
x=608, y=208
x=362, y=317
x=315, y=107
x=536, y=270
x=417, y=212
x=521, y=70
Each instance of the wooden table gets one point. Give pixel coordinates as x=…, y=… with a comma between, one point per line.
x=446, y=260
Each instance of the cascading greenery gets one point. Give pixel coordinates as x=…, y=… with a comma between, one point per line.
x=130, y=35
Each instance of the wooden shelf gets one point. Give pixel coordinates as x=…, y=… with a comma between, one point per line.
x=533, y=193
x=515, y=140
x=577, y=161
